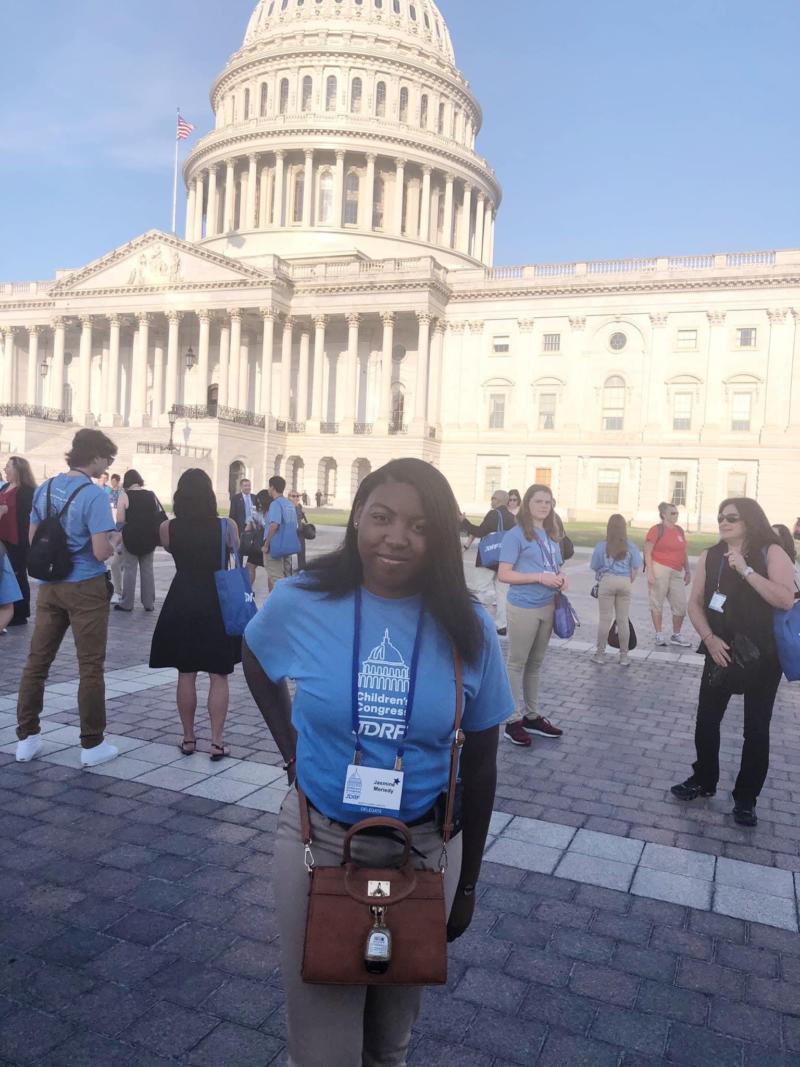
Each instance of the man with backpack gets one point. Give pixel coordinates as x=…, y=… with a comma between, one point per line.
x=70, y=540
x=281, y=540
x=668, y=573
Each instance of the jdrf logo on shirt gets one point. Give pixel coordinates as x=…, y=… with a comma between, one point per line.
x=383, y=684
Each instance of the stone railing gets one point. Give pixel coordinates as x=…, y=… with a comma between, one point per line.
x=25, y=288
x=224, y=414
x=357, y=268
x=156, y=448
x=32, y=411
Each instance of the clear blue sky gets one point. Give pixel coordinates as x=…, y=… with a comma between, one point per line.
x=617, y=127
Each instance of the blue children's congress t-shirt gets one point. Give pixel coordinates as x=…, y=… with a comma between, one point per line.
x=89, y=513
x=283, y=513
x=308, y=636
x=530, y=557
x=601, y=564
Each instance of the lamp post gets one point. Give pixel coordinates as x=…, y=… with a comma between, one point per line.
x=172, y=415
x=191, y=358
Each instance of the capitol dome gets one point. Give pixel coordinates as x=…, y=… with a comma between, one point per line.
x=343, y=128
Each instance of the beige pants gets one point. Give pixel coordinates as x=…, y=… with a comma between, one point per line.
x=529, y=631
x=614, y=602
x=343, y=1026
x=144, y=565
x=277, y=569
x=667, y=585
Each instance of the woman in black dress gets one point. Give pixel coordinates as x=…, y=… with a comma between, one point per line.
x=190, y=635
x=16, y=498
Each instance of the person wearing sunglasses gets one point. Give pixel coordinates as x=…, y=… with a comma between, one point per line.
x=514, y=501
x=738, y=584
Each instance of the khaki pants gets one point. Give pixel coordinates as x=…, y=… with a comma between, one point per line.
x=84, y=607
x=614, y=602
x=529, y=631
x=667, y=585
x=144, y=564
x=344, y=1026
x=115, y=565
x=277, y=569
x=487, y=587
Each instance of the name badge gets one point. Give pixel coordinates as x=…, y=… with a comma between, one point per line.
x=372, y=787
x=717, y=602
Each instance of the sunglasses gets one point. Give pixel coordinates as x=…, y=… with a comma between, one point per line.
x=728, y=517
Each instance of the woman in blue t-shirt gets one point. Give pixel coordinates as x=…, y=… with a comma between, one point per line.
x=530, y=562
x=616, y=562
x=368, y=634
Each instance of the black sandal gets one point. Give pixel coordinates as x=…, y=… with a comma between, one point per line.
x=188, y=748
x=221, y=752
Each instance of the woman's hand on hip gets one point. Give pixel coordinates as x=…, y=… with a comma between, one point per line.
x=460, y=915
x=718, y=650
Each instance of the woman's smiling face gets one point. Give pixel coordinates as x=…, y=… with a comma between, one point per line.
x=392, y=540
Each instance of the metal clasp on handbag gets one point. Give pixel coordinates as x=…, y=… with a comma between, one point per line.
x=308, y=857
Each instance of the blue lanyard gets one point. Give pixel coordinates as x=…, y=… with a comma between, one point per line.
x=547, y=555
x=412, y=683
x=722, y=563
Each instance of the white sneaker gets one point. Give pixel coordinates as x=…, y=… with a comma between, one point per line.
x=623, y=660
x=116, y=599
x=29, y=748
x=679, y=639
x=660, y=639
x=102, y=753
x=599, y=658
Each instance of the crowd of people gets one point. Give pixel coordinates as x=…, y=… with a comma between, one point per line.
x=380, y=639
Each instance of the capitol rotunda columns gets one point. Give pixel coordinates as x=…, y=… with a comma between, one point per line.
x=268, y=316
x=57, y=369
x=173, y=338
x=319, y=369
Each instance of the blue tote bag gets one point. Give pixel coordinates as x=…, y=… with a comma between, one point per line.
x=490, y=545
x=787, y=639
x=237, y=602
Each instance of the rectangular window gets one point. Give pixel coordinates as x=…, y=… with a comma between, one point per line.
x=678, y=482
x=737, y=484
x=687, y=341
x=497, y=411
x=682, y=411
x=547, y=411
x=501, y=346
x=746, y=337
x=492, y=481
x=608, y=487
x=544, y=476
x=741, y=407
x=551, y=342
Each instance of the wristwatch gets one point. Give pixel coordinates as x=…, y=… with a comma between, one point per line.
x=747, y=572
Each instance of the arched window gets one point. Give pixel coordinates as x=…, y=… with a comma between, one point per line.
x=423, y=111
x=264, y=99
x=308, y=87
x=356, y=94
x=378, y=203
x=325, y=211
x=404, y=104
x=380, y=100
x=299, y=194
x=283, y=105
x=351, y=186
x=330, y=93
x=247, y=104
x=614, y=403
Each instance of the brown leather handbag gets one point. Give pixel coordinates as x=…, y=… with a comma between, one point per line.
x=380, y=926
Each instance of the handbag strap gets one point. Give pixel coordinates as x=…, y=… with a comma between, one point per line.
x=225, y=542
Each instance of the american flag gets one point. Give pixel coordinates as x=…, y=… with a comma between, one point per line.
x=184, y=128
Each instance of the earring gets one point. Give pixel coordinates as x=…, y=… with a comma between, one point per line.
x=355, y=525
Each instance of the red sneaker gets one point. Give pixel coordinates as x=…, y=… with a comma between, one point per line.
x=541, y=726
x=515, y=733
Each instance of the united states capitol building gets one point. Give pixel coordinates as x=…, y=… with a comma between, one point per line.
x=334, y=303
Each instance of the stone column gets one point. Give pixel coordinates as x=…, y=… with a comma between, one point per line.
x=490, y=253
x=715, y=368
x=286, y=368
x=385, y=403
x=368, y=197
x=57, y=369
x=173, y=335
x=7, y=394
x=479, y=221
x=201, y=386
x=350, y=405
x=198, y=207
x=141, y=355
x=778, y=386
x=308, y=187
x=338, y=190
x=487, y=230
x=654, y=418
x=466, y=219
x=82, y=406
x=111, y=402
x=280, y=178
x=263, y=198
x=158, y=381
x=267, y=351
x=251, y=220
x=448, y=211
x=425, y=207
x=33, y=364
x=243, y=398
x=301, y=406
x=212, y=211
x=224, y=363
x=235, y=369
x=399, y=189
x=189, y=230
x=423, y=356
x=437, y=360
x=230, y=196
x=319, y=368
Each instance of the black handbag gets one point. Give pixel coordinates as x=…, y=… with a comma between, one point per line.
x=613, y=636
x=308, y=531
x=567, y=548
x=743, y=669
x=250, y=542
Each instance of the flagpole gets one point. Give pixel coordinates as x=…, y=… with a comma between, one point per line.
x=175, y=184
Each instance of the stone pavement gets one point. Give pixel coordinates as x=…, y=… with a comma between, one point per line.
x=137, y=925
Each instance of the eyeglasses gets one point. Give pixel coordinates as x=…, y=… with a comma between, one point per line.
x=728, y=517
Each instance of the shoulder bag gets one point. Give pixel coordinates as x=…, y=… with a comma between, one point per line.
x=565, y=618
x=613, y=636
x=237, y=602
x=355, y=912
x=490, y=545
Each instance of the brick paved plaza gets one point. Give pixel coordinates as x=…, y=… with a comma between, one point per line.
x=615, y=926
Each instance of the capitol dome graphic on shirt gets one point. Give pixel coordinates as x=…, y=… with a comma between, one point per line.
x=384, y=669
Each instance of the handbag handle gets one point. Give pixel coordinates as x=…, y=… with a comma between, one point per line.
x=225, y=542
x=385, y=824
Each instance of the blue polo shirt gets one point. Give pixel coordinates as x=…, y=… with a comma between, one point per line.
x=89, y=513
x=531, y=557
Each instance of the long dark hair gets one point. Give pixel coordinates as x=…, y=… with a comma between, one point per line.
x=24, y=472
x=444, y=587
x=786, y=540
x=525, y=519
x=758, y=532
x=616, y=537
x=132, y=477
x=194, y=497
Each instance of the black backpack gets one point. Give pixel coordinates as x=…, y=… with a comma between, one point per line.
x=49, y=557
